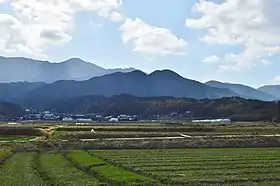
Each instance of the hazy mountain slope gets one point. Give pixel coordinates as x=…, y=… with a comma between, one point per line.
x=23, y=69
x=271, y=89
x=243, y=90
x=14, y=91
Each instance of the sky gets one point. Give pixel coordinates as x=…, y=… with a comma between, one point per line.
x=234, y=41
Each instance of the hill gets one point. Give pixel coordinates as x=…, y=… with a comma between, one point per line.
x=243, y=91
x=136, y=83
x=24, y=69
x=272, y=90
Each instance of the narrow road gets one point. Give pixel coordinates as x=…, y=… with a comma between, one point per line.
x=125, y=139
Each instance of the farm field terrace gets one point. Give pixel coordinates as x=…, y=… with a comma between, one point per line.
x=242, y=166
x=235, y=130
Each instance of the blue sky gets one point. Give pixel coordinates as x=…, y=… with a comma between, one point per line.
x=227, y=40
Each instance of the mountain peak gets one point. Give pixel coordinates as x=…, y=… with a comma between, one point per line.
x=75, y=60
x=165, y=73
x=134, y=73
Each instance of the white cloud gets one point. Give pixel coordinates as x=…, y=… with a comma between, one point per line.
x=152, y=40
x=39, y=24
x=116, y=16
x=252, y=24
x=54, y=35
x=277, y=79
x=213, y=59
x=10, y=33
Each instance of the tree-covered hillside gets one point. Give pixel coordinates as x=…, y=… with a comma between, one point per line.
x=235, y=108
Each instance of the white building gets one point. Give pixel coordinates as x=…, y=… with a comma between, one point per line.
x=113, y=120
x=67, y=119
x=84, y=120
x=212, y=121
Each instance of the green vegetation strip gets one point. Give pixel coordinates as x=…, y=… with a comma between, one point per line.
x=102, y=135
x=15, y=138
x=18, y=171
x=198, y=153
x=62, y=173
x=108, y=173
x=192, y=158
x=178, y=167
x=186, y=129
x=205, y=161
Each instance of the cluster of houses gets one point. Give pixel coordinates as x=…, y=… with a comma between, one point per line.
x=122, y=117
x=50, y=116
x=33, y=115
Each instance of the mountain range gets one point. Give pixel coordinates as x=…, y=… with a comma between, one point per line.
x=23, y=69
x=137, y=83
x=37, y=83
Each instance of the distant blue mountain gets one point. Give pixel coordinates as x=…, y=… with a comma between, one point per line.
x=244, y=91
x=272, y=90
x=24, y=69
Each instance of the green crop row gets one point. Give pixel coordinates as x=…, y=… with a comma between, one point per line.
x=194, y=152
x=155, y=163
x=187, y=161
x=191, y=159
x=185, y=167
x=106, y=172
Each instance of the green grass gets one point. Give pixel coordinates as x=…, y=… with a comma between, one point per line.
x=18, y=171
x=4, y=153
x=201, y=166
x=109, y=173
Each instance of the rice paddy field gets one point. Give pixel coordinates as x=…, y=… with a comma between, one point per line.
x=242, y=166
